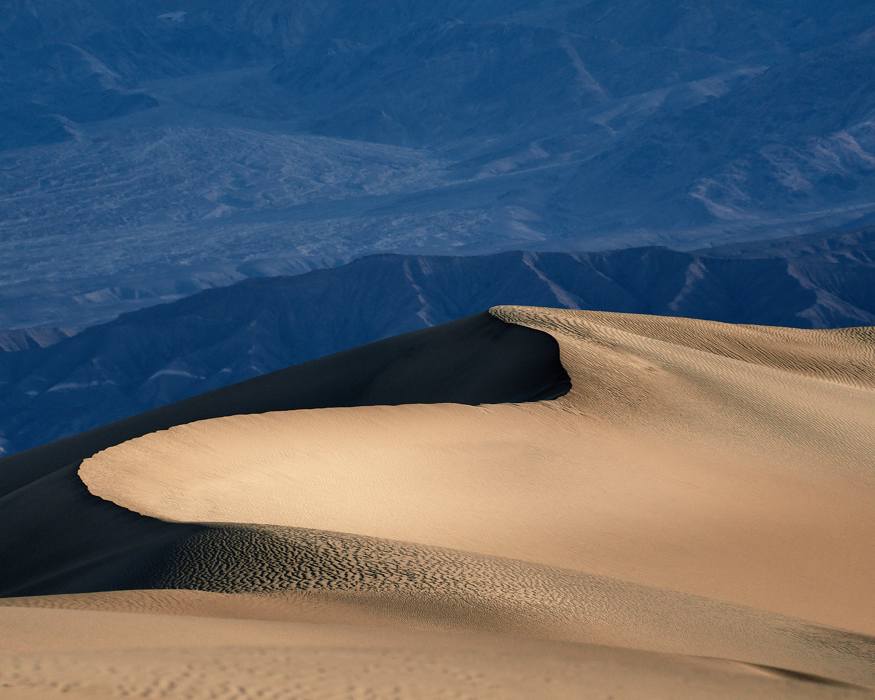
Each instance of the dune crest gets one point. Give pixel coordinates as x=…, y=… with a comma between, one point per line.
x=681, y=442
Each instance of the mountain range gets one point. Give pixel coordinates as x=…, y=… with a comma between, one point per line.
x=217, y=337
x=152, y=149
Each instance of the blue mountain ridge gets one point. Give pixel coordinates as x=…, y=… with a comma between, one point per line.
x=151, y=149
x=165, y=353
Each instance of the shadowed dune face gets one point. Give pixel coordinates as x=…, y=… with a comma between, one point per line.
x=475, y=360
x=92, y=545
x=695, y=491
x=681, y=442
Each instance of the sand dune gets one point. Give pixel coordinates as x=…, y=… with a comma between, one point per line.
x=132, y=655
x=691, y=517
x=91, y=545
x=123, y=654
x=681, y=442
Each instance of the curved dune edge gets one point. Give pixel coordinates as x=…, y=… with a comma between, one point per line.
x=731, y=462
x=90, y=544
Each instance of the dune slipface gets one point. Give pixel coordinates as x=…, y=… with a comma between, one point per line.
x=690, y=517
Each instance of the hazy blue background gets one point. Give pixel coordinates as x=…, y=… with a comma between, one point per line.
x=152, y=148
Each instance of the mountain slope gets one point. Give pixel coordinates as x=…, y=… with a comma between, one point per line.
x=160, y=148
x=212, y=339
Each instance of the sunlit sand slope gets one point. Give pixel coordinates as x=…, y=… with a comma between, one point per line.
x=191, y=652
x=723, y=461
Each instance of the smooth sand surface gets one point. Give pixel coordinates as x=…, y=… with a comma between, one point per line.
x=692, y=519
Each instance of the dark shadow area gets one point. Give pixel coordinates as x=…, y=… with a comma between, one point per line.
x=57, y=538
x=807, y=677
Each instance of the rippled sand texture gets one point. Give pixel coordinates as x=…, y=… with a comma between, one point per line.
x=693, y=519
x=175, y=644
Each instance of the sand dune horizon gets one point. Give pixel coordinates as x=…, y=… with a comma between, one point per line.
x=529, y=502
